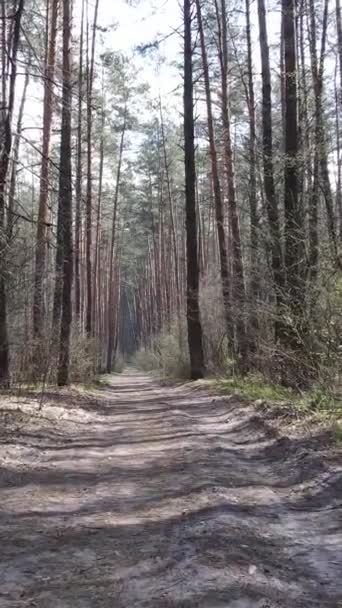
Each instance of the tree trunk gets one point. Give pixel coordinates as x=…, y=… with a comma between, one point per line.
x=78, y=214
x=321, y=168
x=254, y=278
x=90, y=79
x=197, y=367
x=219, y=213
x=98, y=218
x=65, y=201
x=339, y=41
x=306, y=165
x=5, y=151
x=111, y=296
x=173, y=224
x=3, y=47
x=294, y=227
x=15, y=158
x=315, y=193
x=268, y=170
x=43, y=210
x=339, y=160
x=238, y=285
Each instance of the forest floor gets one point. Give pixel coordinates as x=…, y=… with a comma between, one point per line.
x=134, y=494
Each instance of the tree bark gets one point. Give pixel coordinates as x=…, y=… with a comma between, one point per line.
x=195, y=342
x=96, y=281
x=15, y=158
x=78, y=213
x=5, y=151
x=268, y=170
x=254, y=279
x=219, y=212
x=238, y=284
x=65, y=202
x=339, y=41
x=339, y=159
x=294, y=226
x=111, y=295
x=321, y=180
x=90, y=79
x=173, y=224
x=43, y=210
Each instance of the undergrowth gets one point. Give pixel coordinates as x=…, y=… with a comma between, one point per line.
x=318, y=402
x=321, y=399
x=166, y=356
x=251, y=387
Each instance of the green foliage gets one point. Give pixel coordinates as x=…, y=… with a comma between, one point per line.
x=320, y=400
x=146, y=360
x=252, y=387
x=319, y=403
x=167, y=356
x=173, y=359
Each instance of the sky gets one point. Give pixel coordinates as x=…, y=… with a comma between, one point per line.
x=131, y=24
x=140, y=23
x=128, y=26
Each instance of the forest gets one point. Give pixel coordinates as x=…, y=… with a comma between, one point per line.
x=130, y=220
x=170, y=303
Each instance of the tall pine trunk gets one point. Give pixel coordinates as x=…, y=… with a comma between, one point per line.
x=90, y=80
x=174, y=244
x=294, y=225
x=268, y=170
x=96, y=278
x=192, y=293
x=79, y=172
x=339, y=41
x=219, y=213
x=5, y=151
x=65, y=202
x=254, y=271
x=15, y=158
x=43, y=209
x=238, y=285
x=111, y=293
x=338, y=211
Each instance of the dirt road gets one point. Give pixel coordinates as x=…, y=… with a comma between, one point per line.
x=136, y=495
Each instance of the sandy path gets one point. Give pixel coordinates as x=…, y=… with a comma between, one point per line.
x=142, y=496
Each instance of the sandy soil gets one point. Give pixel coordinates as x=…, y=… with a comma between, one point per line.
x=136, y=495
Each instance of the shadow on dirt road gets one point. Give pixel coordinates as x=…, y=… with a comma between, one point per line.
x=136, y=495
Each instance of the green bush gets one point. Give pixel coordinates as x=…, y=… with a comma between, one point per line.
x=168, y=354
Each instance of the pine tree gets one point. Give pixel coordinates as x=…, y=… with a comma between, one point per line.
x=193, y=311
